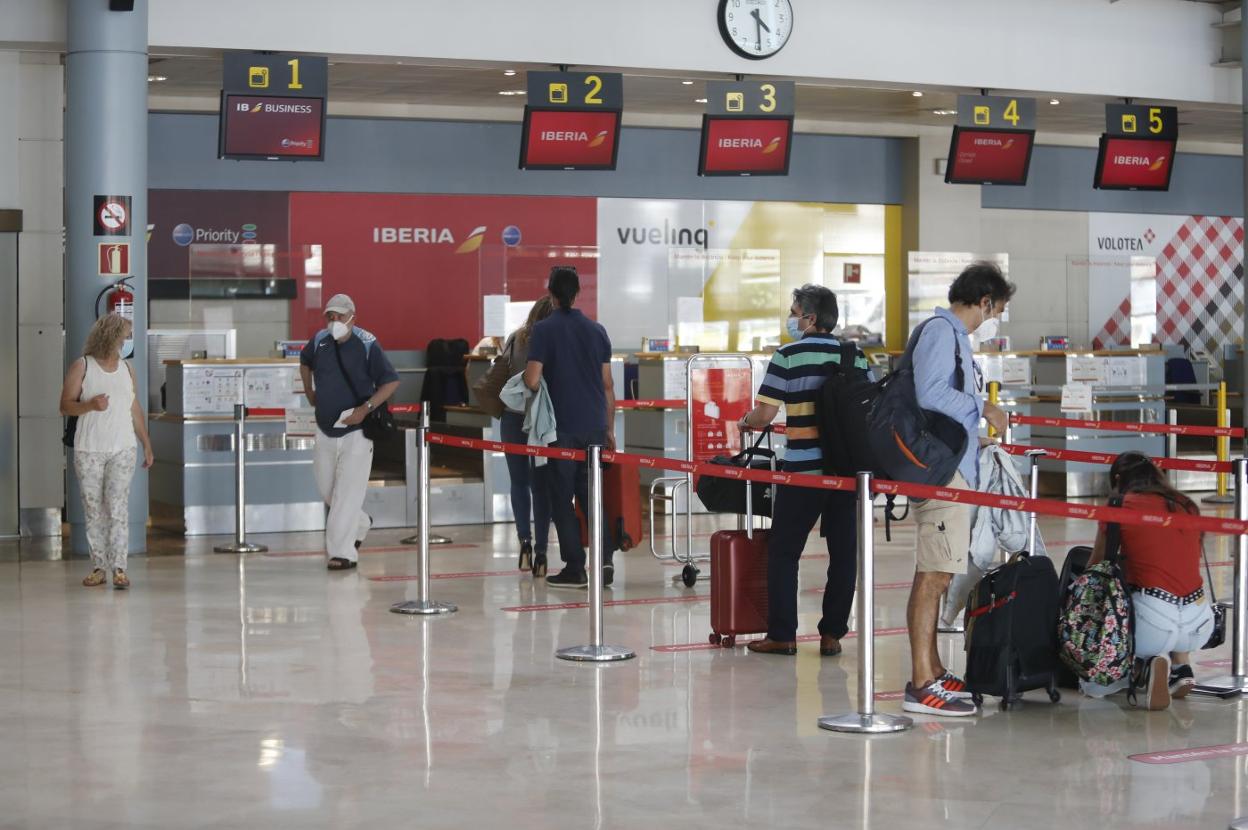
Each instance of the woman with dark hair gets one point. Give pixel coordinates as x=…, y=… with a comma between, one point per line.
x=528, y=482
x=1162, y=567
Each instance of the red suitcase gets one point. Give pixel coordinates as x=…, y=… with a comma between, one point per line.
x=739, y=579
x=738, y=585
x=621, y=506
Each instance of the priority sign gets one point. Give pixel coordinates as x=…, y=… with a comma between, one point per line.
x=112, y=215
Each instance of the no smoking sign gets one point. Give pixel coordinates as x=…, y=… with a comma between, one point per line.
x=112, y=215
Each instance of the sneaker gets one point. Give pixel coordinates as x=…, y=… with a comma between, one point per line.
x=1181, y=681
x=608, y=575
x=954, y=685
x=1157, y=684
x=934, y=699
x=568, y=578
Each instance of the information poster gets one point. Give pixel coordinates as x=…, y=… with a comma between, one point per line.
x=720, y=398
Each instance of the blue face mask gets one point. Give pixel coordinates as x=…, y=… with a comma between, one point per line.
x=794, y=328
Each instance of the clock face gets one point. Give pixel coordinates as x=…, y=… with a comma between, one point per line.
x=755, y=29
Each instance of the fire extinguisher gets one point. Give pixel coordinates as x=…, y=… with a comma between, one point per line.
x=118, y=298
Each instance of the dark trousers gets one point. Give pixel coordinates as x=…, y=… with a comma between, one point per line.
x=568, y=480
x=529, y=492
x=794, y=514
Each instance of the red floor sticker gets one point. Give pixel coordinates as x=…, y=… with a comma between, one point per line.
x=879, y=586
x=1215, y=664
x=890, y=695
x=1196, y=753
x=282, y=554
x=562, y=606
x=464, y=575
x=805, y=638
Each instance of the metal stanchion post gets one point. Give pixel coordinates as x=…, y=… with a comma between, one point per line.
x=240, y=543
x=1237, y=680
x=595, y=651
x=422, y=604
x=414, y=539
x=1172, y=444
x=1034, y=491
x=866, y=719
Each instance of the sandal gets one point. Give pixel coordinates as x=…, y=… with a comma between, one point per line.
x=340, y=564
x=96, y=577
x=120, y=580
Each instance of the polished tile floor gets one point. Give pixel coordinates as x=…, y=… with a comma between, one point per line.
x=264, y=692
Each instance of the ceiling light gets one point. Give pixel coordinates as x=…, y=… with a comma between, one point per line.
x=509, y=72
x=917, y=94
x=155, y=79
x=511, y=92
x=1054, y=102
x=944, y=112
x=699, y=100
x=687, y=83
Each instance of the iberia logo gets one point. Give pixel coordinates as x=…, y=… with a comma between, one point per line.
x=258, y=106
x=1008, y=144
x=597, y=140
x=772, y=146
x=1156, y=165
x=473, y=242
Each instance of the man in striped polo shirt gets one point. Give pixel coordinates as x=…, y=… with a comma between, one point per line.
x=793, y=379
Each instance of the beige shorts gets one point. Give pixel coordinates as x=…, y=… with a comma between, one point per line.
x=944, y=533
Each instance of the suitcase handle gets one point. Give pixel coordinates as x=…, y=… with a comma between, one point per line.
x=770, y=454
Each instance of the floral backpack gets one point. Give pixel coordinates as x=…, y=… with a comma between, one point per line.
x=1096, y=628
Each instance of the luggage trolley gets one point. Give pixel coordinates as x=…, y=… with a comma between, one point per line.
x=668, y=488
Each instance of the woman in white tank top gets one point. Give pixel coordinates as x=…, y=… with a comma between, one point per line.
x=99, y=391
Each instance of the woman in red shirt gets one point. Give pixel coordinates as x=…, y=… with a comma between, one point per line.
x=1162, y=567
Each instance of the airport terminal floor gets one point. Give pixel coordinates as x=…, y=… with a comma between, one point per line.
x=264, y=691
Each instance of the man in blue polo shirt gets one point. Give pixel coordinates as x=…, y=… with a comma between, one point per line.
x=572, y=354
x=352, y=377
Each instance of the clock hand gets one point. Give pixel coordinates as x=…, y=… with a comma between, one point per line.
x=758, y=28
x=760, y=21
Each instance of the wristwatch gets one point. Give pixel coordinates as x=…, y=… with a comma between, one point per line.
x=369, y=404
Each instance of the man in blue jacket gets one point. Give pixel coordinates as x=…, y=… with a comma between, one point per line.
x=977, y=299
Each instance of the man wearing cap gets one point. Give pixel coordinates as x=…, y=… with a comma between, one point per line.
x=346, y=375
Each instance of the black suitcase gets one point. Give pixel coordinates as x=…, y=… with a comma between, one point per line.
x=1076, y=563
x=1011, y=631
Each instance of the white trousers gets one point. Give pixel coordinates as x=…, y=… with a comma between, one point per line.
x=342, y=467
x=104, y=480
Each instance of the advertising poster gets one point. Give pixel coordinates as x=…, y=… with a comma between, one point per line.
x=720, y=398
x=1195, y=294
x=417, y=266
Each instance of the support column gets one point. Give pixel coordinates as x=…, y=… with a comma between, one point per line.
x=105, y=154
x=1243, y=84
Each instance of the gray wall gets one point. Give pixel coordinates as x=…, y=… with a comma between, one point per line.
x=401, y=156
x=1061, y=179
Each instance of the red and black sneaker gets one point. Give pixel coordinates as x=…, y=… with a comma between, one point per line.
x=935, y=699
x=954, y=685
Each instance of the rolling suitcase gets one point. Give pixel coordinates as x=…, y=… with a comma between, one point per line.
x=1075, y=564
x=739, y=580
x=1011, y=631
x=621, y=507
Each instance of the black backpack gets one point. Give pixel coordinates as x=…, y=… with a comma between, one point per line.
x=909, y=443
x=841, y=408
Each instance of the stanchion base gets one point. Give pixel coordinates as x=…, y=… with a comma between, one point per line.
x=433, y=540
x=1216, y=499
x=595, y=654
x=957, y=628
x=1240, y=823
x=423, y=608
x=245, y=547
x=876, y=724
x=1221, y=686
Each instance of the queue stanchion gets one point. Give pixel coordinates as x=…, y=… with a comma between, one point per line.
x=422, y=605
x=866, y=720
x=1033, y=490
x=1223, y=445
x=595, y=651
x=1172, y=444
x=240, y=543
x=414, y=539
x=1008, y=438
x=1237, y=680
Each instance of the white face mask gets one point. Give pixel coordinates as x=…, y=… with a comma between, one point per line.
x=339, y=330
x=988, y=328
x=794, y=327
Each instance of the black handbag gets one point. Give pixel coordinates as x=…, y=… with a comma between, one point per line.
x=727, y=495
x=1218, y=636
x=377, y=425
x=71, y=421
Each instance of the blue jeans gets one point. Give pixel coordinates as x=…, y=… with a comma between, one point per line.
x=529, y=490
x=569, y=479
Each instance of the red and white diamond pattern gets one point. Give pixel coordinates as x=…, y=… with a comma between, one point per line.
x=1117, y=329
x=1200, y=298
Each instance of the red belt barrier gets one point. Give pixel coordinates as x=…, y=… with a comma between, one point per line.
x=1108, y=458
x=651, y=404
x=404, y=408
x=1124, y=426
x=1044, y=507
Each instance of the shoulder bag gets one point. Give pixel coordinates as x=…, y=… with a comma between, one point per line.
x=378, y=425
x=71, y=421
x=487, y=388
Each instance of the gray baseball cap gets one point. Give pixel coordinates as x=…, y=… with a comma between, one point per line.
x=340, y=303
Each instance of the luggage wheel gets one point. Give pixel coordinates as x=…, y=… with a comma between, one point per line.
x=1054, y=695
x=714, y=639
x=689, y=575
x=977, y=699
x=729, y=641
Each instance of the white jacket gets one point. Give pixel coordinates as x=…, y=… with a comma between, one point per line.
x=996, y=527
x=539, y=418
